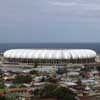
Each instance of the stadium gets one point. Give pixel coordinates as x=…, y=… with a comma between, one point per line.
x=50, y=56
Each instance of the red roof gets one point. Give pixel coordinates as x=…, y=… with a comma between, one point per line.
x=2, y=92
x=13, y=90
x=17, y=89
x=46, y=99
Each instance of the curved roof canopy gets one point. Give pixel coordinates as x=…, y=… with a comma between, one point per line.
x=50, y=53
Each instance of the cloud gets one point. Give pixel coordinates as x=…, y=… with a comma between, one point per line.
x=49, y=20
x=81, y=8
x=77, y=4
x=63, y=4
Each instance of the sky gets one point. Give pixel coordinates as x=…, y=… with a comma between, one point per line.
x=49, y=21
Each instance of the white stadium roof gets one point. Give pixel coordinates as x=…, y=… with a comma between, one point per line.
x=50, y=53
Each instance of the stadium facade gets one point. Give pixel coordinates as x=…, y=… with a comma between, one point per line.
x=50, y=56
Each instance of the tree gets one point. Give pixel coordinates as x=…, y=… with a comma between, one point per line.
x=11, y=96
x=62, y=93
x=1, y=80
x=3, y=98
x=51, y=80
x=86, y=69
x=2, y=86
x=1, y=73
x=20, y=79
x=58, y=92
x=98, y=69
x=34, y=72
x=49, y=91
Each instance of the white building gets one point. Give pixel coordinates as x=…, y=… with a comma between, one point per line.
x=50, y=56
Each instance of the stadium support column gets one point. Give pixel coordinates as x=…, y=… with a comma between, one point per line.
x=38, y=63
x=86, y=61
x=76, y=61
x=81, y=60
x=27, y=62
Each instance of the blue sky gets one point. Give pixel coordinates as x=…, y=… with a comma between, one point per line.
x=49, y=21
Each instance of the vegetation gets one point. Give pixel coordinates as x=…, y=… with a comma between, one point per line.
x=51, y=80
x=2, y=86
x=49, y=90
x=3, y=98
x=1, y=73
x=55, y=91
x=22, y=86
x=85, y=69
x=34, y=72
x=13, y=86
x=63, y=93
x=98, y=68
x=11, y=96
x=20, y=79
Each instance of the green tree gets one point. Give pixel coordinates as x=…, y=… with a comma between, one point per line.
x=58, y=92
x=1, y=74
x=1, y=80
x=2, y=86
x=20, y=79
x=51, y=80
x=98, y=69
x=3, y=98
x=86, y=69
x=34, y=72
x=49, y=90
x=12, y=96
x=62, y=93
